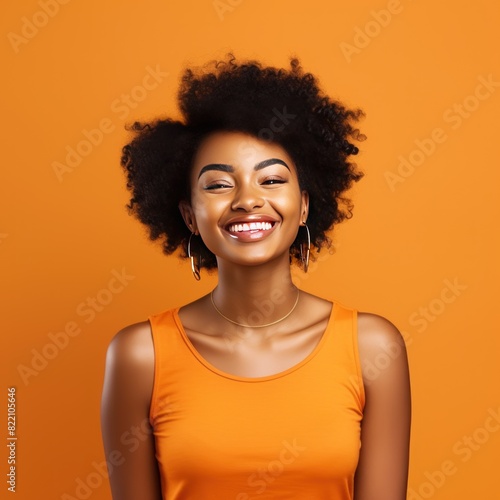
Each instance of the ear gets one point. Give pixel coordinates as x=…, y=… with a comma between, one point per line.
x=304, y=206
x=188, y=216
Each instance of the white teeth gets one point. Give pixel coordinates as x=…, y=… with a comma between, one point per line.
x=253, y=226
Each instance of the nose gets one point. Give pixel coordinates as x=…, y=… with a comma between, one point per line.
x=247, y=198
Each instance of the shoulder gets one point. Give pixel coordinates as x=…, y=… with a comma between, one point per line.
x=381, y=345
x=132, y=347
x=126, y=399
x=129, y=371
x=382, y=470
x=375, y=330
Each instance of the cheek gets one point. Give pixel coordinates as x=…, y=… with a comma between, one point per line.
x=199, y=203
x=207, y=211
x=290, y=203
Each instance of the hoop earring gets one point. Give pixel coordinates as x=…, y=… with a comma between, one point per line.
x=195, y=267
x=305, y=262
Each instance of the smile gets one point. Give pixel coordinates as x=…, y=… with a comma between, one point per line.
x=252, y=226
x=250, y=230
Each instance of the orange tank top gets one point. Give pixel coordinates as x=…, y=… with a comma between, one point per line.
x=291, y=435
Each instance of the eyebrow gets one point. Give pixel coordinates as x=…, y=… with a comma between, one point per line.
x=229, y=168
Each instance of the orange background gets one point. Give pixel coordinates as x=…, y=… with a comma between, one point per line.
x=418, y=69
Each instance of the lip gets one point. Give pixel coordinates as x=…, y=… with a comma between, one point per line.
x=253, y=234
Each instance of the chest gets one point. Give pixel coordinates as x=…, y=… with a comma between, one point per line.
x=263, y=437
x=292, y=433
x=257, y=354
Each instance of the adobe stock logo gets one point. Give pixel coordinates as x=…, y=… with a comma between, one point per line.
x=453, y=116
x=122, y=106
x=466, y=448
x=130, y=441
x=277, y=123
x=31, y=26
x=222, y=7
x=372, y=29
x=89, y=309
x=437, y=306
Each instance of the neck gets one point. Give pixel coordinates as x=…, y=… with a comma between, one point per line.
x=255, y=295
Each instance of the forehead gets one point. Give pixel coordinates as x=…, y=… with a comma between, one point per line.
x=238, y=150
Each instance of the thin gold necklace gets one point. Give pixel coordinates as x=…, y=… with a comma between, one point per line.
x=255, y=326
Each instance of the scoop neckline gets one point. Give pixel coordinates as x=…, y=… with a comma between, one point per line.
x=264, y=378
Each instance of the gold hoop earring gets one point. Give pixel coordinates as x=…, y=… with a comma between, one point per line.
x=305, y=262
x=195, y=267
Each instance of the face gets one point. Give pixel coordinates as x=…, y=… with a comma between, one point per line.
x=246, y=201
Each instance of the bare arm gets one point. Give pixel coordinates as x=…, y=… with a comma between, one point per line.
x=382, y=472
x=126, y=431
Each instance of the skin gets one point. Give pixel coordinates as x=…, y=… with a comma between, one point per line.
x=252, y=269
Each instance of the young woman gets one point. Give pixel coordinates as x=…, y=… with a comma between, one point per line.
x=257, y=390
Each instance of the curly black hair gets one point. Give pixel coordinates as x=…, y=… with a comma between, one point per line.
x=286, y=107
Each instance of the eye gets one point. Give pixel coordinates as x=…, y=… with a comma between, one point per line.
x=216, y=185
x=273, y=180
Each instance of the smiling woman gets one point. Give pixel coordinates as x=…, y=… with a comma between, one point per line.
x=227, y=196
x=258, y=389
